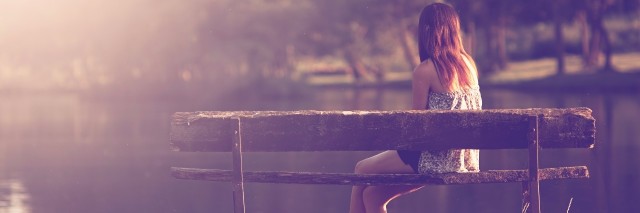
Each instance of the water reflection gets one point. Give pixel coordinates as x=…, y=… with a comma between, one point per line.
x=64, y=154
x=13, y=197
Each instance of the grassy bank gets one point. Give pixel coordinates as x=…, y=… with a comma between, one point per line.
x=600, y=81
x=539, y=74
x=542, y=75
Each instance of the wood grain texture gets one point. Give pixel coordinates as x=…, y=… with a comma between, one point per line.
x=381, y=130
x=492, y=176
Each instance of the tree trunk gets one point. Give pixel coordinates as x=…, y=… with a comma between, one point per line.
x=557, y=26
x=501, y=43
x=599, y=36
x=358, y=69
x=405, y=34
x=584, y=35
x=594, y=46
x=290, y=64
x=470, y=39
x=352, y=55
x=408, y=45
x=257, y=69
x=608, y=67
x=488, y=66
x=278, y=66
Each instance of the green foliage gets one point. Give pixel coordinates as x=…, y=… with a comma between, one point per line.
x=151, y=44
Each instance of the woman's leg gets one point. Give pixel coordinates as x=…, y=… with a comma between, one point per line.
x=376, y=198
x=367, y=199
x=357, y=205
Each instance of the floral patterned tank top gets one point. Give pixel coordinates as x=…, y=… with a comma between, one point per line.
x=455, y=160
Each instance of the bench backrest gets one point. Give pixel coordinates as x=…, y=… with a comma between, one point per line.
x=382, y=130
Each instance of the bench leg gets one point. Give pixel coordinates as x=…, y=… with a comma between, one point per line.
x=531, y=188
x=530, y=198
x=238, y=179
x=526, y=198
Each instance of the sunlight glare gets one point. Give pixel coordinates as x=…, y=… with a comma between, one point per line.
x=13, y=197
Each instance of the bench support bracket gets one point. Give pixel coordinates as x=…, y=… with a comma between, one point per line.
x=238, y=179
x=531, y=188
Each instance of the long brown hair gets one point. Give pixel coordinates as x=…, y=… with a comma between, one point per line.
x=439, y=40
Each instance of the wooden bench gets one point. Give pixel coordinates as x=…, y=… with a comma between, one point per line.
x=285, y=131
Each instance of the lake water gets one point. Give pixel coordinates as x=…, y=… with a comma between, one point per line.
x=61, y=153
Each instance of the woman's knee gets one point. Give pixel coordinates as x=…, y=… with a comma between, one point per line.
x=362, y=167
x=373, y=164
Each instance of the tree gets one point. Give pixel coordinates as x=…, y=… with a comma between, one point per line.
x=262, y=34
x=357, y=29
x=556, y=12
x=493, y=17
x=599, y=39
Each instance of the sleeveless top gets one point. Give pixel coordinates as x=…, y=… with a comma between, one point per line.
x=455, y=160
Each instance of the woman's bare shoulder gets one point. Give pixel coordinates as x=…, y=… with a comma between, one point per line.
x=425, y=70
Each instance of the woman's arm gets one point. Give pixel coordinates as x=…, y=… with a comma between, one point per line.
x=420, y=84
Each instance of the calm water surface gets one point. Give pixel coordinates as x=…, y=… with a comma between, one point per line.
x=60, y=153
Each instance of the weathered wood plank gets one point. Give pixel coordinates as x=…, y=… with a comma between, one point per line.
x=491, y=176
x=381, y=130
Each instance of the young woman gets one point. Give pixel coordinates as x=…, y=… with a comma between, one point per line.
x=446, y=80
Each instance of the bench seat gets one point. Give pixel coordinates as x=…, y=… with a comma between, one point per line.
x=490, y=176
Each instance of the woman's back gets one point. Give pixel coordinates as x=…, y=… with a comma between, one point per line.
x=457, y=160
x=433, y=94
x=461, y=97
x=469, y=98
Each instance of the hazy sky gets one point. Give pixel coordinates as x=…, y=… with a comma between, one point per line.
x=39, y=36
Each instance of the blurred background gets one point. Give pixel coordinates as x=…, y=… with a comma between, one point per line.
x=87, y=88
